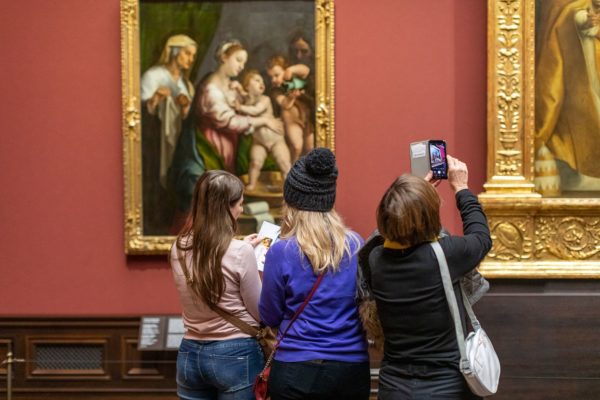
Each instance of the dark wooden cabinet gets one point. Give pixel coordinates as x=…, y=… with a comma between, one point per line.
x=91, y=358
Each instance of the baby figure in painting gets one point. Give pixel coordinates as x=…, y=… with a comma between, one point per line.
x=295, y=105
x=264, y=140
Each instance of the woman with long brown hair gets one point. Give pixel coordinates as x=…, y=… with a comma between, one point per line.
x=213, y=271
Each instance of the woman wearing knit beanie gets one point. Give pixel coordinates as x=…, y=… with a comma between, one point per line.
x=324, y=353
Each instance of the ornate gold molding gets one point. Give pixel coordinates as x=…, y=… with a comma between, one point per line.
x=512, y=239
x=325, y=56
x=533, y=237
x=510, y=76
x=135, y=242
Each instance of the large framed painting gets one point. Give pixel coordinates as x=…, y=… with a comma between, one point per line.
x=243, y=86
x=542, y=194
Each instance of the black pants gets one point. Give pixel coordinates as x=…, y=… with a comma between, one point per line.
x=412, y=382
x=319, y=380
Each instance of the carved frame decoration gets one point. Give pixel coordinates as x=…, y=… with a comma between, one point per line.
x=135, y=242
x=534, y=237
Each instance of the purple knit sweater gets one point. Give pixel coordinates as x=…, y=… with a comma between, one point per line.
x=329, y=327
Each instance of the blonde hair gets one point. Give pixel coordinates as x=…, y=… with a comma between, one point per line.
x=321, y=236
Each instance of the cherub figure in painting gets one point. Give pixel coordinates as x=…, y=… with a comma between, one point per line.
x=287, y=92
x=264, y=140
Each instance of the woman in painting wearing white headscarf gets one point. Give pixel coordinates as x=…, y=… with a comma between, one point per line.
x=166, y=93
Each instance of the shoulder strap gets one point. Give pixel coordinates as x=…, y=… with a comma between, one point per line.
x=452, y=303
x=227, y=316
x=301, y=308
x=298, y=312
x=247, y=328
x=236, y=321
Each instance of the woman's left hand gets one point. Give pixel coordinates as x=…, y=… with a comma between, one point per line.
x=429, y=178
x=252, y=239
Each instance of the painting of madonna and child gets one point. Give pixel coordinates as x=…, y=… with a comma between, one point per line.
x=224, y=85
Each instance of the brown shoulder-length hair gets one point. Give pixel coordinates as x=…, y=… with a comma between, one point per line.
x=208, y=232
x=409, y=212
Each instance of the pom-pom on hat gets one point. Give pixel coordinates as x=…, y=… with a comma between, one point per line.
x=310, y=184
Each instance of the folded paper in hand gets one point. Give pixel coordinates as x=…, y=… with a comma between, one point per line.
x=269, y=233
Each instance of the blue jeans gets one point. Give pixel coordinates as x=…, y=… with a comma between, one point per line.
x=218, y=369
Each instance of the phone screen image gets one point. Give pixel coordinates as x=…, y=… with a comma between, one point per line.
x=437, y=159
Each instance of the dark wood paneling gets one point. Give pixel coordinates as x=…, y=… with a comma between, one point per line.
x=118, y=370
x=545, y=332
x=4, y=345
x=548, y=389
x=139, y=364
x=140, y=395
x=546, y=336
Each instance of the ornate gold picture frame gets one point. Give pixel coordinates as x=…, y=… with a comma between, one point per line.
x=155, y=34
x=540, y=229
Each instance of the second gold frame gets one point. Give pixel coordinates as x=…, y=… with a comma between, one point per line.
x=534, y=236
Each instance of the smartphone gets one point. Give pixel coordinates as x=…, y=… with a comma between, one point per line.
x=437, y=159
x=429, y=155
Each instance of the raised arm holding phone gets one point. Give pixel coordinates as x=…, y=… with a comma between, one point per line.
x=421, y=356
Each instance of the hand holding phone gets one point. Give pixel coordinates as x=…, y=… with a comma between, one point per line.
x=458, y=175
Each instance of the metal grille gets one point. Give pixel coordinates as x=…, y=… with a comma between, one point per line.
x=69, y=357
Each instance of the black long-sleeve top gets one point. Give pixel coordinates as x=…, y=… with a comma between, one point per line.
x=409, y=293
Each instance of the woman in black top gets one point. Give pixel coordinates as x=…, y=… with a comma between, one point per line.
x=421, y=357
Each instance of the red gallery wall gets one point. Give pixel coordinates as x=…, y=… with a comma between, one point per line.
x=405, y=70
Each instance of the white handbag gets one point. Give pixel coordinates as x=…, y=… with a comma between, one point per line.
x=479, y=363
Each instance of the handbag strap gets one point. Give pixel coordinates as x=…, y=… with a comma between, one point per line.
x=247, y=328
x=252, y=331
x=287, y=328
x=226, y=315
x=300, y=309
x=237, y=322
x=452, y=303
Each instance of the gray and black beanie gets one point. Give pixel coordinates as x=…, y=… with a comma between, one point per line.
x=310, y=184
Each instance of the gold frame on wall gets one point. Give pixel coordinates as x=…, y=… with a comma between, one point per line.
x=534, y=236
x=135, y=240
